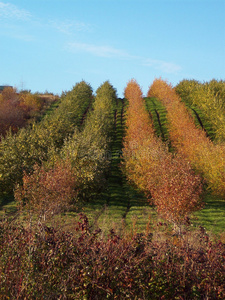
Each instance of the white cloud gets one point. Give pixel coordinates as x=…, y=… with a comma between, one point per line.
x=166, y=67
x=110, y=52
x=101, y=51
x=8, y=10
x=68, y=26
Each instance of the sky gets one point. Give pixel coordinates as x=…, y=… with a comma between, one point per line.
x=50, y=45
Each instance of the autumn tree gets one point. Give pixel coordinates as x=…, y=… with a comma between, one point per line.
x=30, y=103
x=12, y=116
x=10, y=94
x=191, y=142
x=166, y=179
x=45, y=192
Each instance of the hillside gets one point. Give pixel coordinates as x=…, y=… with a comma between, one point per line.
x=110, y=198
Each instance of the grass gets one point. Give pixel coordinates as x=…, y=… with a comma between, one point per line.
x=200, y=120
x=212, y=216
x=157, y=113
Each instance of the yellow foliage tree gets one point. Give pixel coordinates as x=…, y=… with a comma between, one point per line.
x=190, y=141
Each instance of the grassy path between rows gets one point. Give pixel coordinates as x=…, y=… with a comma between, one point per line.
x=200, y=121
x=119, y=206
x=157, y=113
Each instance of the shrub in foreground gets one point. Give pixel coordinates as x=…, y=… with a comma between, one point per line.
x=45, y=263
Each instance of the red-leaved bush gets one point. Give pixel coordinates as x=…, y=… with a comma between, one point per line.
x=47, y=191
x=45, y=263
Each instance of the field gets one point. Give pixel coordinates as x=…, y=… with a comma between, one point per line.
x=107, y=182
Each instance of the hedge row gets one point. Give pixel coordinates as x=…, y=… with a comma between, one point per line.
x=88, y=150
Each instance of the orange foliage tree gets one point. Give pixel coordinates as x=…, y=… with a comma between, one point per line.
x=191, y=142
x=166, y=179
x=16, y=109
x=30, y=103
x=47, y=191
x=11, y=114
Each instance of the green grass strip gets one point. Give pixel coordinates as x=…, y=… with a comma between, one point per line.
x=212, y=216
x=157, y=113
x=200, y=120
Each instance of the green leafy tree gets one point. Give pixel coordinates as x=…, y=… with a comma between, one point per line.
x=87, y=149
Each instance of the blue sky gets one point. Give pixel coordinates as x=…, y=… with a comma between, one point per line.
x=53, y=44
